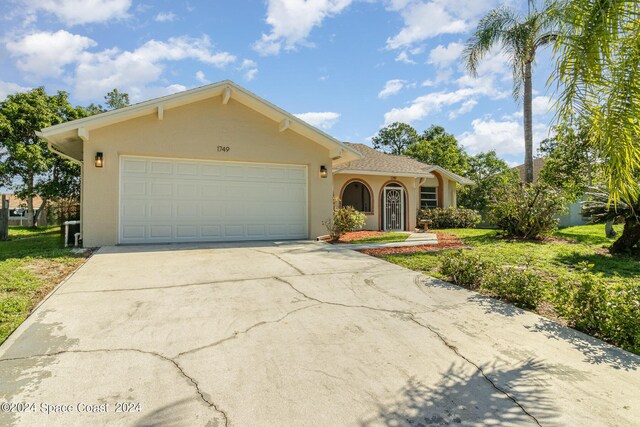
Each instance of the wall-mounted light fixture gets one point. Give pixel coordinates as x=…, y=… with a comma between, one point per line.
x=323, y=171
x=99, y=160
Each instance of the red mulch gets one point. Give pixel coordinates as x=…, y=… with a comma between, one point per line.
x=357, y=235
x=445, y=241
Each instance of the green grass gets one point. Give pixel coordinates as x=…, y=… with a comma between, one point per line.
x=19, y=232
x=383, y=238
x=555, y=259
x=29, y=269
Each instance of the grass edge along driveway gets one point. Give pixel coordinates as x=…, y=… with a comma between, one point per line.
x=32, y=263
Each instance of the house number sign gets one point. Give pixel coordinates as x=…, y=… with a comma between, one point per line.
x=223, y=148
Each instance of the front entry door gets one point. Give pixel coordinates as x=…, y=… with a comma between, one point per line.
x=393, y=209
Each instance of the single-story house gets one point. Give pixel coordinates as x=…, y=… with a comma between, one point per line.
x=219, y=163
x=390, y=189
x=18, y=213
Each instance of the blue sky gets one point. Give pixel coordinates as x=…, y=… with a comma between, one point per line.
x=347, y=66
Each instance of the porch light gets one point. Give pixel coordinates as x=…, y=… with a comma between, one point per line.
x=323, y=172
x=99, y=161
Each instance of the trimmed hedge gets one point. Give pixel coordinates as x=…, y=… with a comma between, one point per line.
x=607, y=311
x=521, y=287
x=450, y=217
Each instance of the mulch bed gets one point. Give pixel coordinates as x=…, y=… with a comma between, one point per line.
x=357, y=235
x=445, y=242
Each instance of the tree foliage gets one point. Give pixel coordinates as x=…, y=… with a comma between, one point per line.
x=598, y=77
x=570, y=163
x=519, y=38
x=489, y=173
x=437, y=147
x=395, y=138
x=30, y=167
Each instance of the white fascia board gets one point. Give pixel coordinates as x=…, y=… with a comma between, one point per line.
x=379, y=173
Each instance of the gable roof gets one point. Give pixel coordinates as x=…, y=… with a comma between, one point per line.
x=374, y=162
x=538, y=164
x=67, y=138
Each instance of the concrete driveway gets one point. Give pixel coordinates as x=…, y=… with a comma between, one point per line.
x=298, y=334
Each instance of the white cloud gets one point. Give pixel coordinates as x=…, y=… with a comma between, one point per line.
x=165, y=17
x=74, y=12
x=403, y=56
x=9, y=88
x=132, y=71
x=423, y=20
x=466, y=107
x=201, y=78
x=541, y=105
x=250, y=68
x=506, y=137
x=291, y=22
x=324, y=120
x=45, y=54
x=391, y=87
x=443, y=56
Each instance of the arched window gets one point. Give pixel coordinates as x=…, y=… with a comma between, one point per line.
x=357, y=195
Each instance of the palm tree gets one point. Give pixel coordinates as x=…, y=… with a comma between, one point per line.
x=598, y=78
x=519, y=37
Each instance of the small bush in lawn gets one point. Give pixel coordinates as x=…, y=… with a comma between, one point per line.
x=344, y=219
x=523, y=288
x=526, y=211
x=450, y=217
x=464, y=269
x=605, y=310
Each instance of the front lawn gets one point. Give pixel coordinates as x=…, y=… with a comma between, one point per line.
x=31, y=265
x=604, y=302
x=557, y=257
x=383, y=238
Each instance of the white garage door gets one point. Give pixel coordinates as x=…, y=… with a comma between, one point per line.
x=172, y=200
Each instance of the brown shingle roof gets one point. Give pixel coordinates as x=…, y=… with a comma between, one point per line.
x=538, y=164
x=15, y=202
x=376, y=161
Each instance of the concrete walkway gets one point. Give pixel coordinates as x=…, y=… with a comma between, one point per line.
x=414, y=239
x=298, y=334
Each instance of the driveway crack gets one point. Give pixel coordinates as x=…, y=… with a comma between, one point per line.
x=412, y=317
x=192, y=380
x=283, y=260
x=236, y=334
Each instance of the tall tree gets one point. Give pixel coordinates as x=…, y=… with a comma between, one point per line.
x=519, y=37
x=570, y=163
x=395, y=138
x=489, y=172
x=437, y=147
x=116, y=99
x=23, y=156
x=598, y=76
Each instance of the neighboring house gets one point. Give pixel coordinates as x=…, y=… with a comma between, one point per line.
x=218, y=163
x=18, y=213
x=390, y=189
x=538, y=164
x=573, y=213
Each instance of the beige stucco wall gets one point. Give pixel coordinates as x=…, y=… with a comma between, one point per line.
x=412, y=186
x=194, y=131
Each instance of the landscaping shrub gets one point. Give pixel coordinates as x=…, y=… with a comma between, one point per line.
x=526, y=211
x=450, y=217
x=464, y=268
x=344, y=219
x=610, y=311
x=523, y=288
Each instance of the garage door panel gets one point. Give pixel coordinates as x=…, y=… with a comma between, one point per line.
x=170, y=200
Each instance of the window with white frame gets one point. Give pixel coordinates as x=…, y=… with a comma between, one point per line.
x=428, y=197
